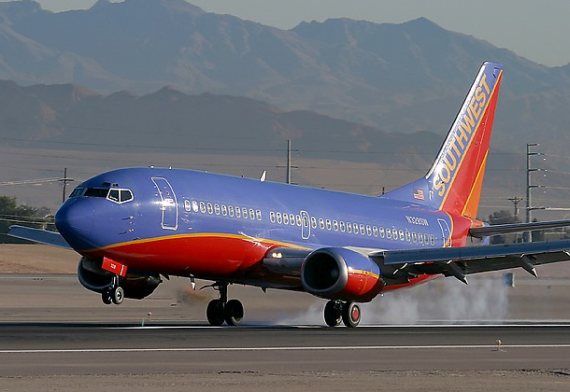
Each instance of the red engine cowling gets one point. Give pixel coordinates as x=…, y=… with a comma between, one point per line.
x=339, y=273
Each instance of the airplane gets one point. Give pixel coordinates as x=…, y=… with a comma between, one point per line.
x=135, y=226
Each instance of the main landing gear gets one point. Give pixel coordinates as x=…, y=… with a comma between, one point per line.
x=114, y=293
x=220, y=310
x=347, y=312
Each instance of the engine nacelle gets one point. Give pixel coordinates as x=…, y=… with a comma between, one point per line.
x=339, y=273
x=95, y=278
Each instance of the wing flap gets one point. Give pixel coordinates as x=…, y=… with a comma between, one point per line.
x=487, y=231
x=37, y=235
x=463, y=261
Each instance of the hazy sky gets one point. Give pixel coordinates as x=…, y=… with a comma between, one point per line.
x=538, y=30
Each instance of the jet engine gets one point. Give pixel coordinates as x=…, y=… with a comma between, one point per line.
x=136, y=285
x=340, y=273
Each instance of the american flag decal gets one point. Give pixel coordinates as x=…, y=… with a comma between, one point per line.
x=419, y=194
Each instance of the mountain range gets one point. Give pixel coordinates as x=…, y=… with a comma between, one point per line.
x=401, y=78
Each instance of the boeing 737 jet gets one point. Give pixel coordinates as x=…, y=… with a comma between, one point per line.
x=135, y=226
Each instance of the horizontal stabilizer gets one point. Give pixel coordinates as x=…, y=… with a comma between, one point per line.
x=37, y=235
x=487, y=231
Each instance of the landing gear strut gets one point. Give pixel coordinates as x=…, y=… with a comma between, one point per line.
x=220, y=310
x=114, y=293
x=347, y=312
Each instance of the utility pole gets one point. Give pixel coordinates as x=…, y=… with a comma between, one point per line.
x=529, y=186
x=516, y=200
x=65, y=180
x=288, y=161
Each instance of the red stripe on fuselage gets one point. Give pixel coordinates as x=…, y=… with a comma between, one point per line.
x=214, y=255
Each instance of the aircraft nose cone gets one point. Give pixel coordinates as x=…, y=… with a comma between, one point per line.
x=74, y=220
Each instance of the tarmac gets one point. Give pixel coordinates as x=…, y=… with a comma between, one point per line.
x=56, y=335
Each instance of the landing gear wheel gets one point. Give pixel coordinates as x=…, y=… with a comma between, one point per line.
x=233, y=312
x=351, y=314
x=107, y=297
x=333, y=313
x=215, y=312
x=118, y=295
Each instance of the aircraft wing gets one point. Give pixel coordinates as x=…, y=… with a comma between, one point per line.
x=37, y=235
x=486, y=231
x=462, y=261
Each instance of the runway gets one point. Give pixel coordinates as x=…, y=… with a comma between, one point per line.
x=39, y=349
x=54, y=335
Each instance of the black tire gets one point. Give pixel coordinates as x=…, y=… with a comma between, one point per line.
x=233, y=313
x=118, y=295
x=351, y=314
x=107, y=297
x=333, y=314
x=215, y=312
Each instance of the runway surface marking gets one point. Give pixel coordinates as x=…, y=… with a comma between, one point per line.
x=298, y=348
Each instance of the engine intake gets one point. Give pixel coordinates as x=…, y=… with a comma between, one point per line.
x=339, y=273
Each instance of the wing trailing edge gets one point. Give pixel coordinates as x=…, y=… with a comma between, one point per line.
x=487, y=231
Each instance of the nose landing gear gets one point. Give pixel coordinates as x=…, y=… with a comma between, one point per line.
x=347, y=312
x=220, y=310
x=114, y=293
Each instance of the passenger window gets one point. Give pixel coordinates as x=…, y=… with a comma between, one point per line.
x=238, y=212
x=368, y=230
x=381, y=232
x=194, y=206
x=210, y=208
x=414, y=237
x=231, y=211
x=426, y=239
x=408, y=236
x=335, y=225
x=298, y=219
x=224, y=210
x=402, y=237
x=202, y=207
x=349, y=228
x=187, y=205
x=244, y=213
x=421, y=239
x=328, y=223
x=251, y=214
x=432, y=240
x=114, y=195
x=362, y=229
x=272, y=217
x=342, y=226
x=395, y=233
x=258, y=215
x=389, y=234
x=321, y=223
x=286, y=219
x=279, y=217
x=375, y=231
x=217, y=209
x=313, y=222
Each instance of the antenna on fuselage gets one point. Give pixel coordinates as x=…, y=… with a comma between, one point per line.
x=263, y=175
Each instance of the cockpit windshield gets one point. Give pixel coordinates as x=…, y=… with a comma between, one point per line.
x=116, y=195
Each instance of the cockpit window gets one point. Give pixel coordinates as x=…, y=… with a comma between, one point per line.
x=77, y=192
x=96, y=192
x=120, y=196
x=126, y=195
x=114, y=195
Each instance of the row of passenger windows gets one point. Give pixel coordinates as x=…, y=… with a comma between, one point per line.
x=353, y=228
x=320, y=223
x=223, y=210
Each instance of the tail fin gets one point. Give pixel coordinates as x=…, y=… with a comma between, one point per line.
x=454, y=182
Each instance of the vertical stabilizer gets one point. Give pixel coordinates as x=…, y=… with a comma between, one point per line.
x=455, y=180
